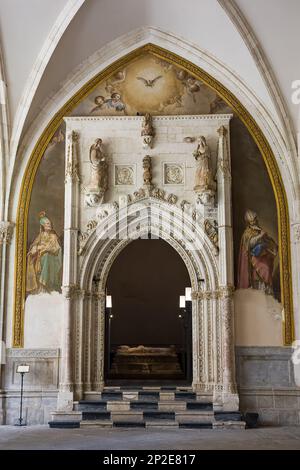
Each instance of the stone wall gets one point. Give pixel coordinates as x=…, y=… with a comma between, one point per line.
x=266, y=384
x=40, y=385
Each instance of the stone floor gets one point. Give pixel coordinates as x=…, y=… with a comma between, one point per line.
x=42, y=438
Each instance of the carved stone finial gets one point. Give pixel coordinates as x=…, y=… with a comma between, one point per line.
x=99, y=175
x=222, y=131
x=205, y=186
x=6, y=232
x=147, y=132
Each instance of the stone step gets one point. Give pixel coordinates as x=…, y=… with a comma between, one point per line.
x=158, y=415
x=194, y=416
x=161, y=423
x=89, y=405
x=128, y=424
x=96, y=423
x=64, y=424
x=228, y=416
x=182, y=395
x=148, y=395
x=96, y=415
x=198, y=405
x=112, y=395
x=171, y=405
x=144, y=405
x=196, y=425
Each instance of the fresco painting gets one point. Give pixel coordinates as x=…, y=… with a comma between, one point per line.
x=151, y=85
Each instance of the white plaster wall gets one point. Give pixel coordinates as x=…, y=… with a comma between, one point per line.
x=258, y=319
x=43, y=320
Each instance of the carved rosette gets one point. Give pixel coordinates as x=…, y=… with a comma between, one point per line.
x=6, y=232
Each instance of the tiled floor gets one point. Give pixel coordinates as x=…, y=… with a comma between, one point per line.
x=41, y=437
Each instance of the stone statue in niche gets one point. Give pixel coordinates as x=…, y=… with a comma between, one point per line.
x=99, y=175
x=147, y=132
x=205, y=186
x=147, y=174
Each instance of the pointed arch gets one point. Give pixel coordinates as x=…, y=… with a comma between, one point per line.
x=241, y=111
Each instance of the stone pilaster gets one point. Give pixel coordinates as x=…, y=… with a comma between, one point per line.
x=227, y=399
x=69, y=288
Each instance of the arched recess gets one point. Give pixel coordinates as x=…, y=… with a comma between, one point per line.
x=152, y=218
x=241, y=112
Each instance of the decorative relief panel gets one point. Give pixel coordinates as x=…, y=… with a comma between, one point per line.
x=173, y=173
x=124, y=175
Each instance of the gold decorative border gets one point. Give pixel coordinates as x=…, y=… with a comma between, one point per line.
x=242, y=113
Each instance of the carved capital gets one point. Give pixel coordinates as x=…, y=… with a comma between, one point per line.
x=70, y=291
x=205, y=295
x=6, y=232
x=225, y=292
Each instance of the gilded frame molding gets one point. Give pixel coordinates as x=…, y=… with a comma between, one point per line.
x=242, y=113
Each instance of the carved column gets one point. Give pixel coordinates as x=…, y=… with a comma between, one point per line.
x=65, y=397
x=229, y=398
x=88, y=343
x=78, y=335
x=99, y=348
x=197, y=324
x=6, y=233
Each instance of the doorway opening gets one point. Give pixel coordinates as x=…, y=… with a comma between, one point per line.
x=148, y=337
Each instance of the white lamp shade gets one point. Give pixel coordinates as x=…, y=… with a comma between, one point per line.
x=182, y=301
x=108, y=301
x=188, y=294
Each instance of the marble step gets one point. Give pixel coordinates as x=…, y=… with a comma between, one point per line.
x=88, y=405
x=144, y=405
x=196, y=425
x=161, y=423
x=96, y=423
x=179, y=395
x=111, y=395
x=96, y=415
x=129, y=424
x=198, y=405
x=148, y=395
x=228, y=416
x=159, y=415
